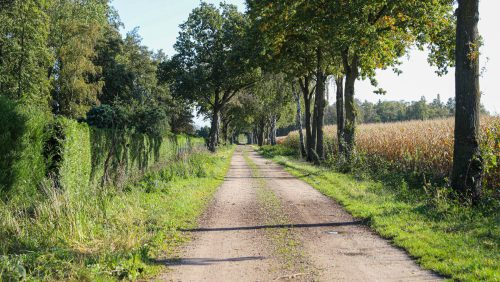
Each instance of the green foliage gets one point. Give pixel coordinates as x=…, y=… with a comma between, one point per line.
x=108, y=235
x=392, y=111
x=144, y=119
x=22, y=140
x=212, y=64
x=24, y=54
x=95, y=157
x=210, y=61
x=76, y=28
x=456, y=241
x=73, y=52
x=132, y=97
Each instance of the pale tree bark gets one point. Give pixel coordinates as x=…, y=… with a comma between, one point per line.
x=299, y=121
x=272, y=132
x=339, y=81
x=320, y=104
x=467, y=161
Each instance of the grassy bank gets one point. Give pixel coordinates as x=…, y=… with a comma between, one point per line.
x=462, y=243
x=114, y=234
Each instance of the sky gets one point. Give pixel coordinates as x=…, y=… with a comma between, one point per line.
x=159, y=20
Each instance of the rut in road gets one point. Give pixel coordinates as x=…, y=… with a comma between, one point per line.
x=264, y=225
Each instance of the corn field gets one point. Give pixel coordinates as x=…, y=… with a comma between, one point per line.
x=417, y=146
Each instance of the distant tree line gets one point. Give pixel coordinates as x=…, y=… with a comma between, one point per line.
x=391, y=111
x=394, y=111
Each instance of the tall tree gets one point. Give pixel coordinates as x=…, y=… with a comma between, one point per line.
x=211, y=65
x=467, y=161
x=24, y=54
x=298, y=119
x=76, y=28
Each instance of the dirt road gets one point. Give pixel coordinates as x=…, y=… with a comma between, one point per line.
x=265, y=225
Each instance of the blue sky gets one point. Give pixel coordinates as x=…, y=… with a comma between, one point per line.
x=159, y=20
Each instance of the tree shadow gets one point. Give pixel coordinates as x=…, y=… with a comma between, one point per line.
x=205, y=261
x=257, y=227
x=13, y=128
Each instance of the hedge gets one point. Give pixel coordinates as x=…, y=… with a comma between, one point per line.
x=38, y=150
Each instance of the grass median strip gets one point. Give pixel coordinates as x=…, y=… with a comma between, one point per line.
x=285, y=242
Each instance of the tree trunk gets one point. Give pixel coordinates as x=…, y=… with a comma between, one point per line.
x=260, y=131
x=309, y=141
x=339, y=80
x=320, y=105
x=351, y=69
x=224, y=132
x=299, y=121
x=273, y=130
x=214, y=130
x=307, y=106
x=219, y=118
x=314, y=127
x=467, y=161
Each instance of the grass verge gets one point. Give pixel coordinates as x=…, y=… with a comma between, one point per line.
x=461, y=243
x=114, y=235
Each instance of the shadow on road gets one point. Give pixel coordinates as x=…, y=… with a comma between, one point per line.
x=312, y=225
x=204, y=261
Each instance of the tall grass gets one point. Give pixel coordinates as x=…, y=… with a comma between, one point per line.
x=107, y=232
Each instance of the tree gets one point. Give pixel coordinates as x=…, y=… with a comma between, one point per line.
x=211, y=65
x=298, y=119
x=24, y=54
x=132, y=90
x=467, y=162
x=340, y=118
x=76, y=28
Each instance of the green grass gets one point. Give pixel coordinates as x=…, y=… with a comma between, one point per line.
x=459, y=242
x=283, y=240
x=114, y=234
